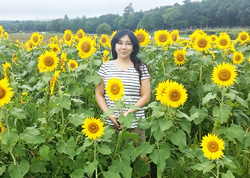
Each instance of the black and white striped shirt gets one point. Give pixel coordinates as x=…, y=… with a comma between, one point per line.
x=131, y=81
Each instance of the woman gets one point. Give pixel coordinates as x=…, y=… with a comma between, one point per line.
x=135, y=77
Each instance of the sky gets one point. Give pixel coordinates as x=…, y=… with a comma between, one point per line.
x=57, y=9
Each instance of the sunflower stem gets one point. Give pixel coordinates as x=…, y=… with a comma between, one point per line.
x=218, y=170
x=6, y=123
x=96, y=173
x=13, y=157
x=61, y=110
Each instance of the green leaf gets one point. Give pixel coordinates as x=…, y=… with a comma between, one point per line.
x=105, y=150
x=37, y=166
x=2, y=169
x=241, y=101
x=75, y=90
x=19, y=150
x=17, y=113
x=204, y=167
x=141, y=168
x=159, y=126
x=44, y=151
x=143, y=123
x=229, y=163
x=159, y=156
x=127, y=121
x=235, y=132
x=110, y=174
x=182, y=115
x=201, y=115
x=70, y=147
x=9, y=139
x=109, y=111
x=178, y=138
x=121, y=166
x=76, y=119
x=229, y=174
x=222, y=113
x=208, y=97
x=95, y=79
x=32, y=135
x=90, y=167
x=66, y=102
x=192, y=75
x=146, y=148
x=77, y=173
x=20, y=170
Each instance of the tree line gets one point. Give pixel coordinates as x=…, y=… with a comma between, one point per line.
x=196, y=14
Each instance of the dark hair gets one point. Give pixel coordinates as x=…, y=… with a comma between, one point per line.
x=137, y=62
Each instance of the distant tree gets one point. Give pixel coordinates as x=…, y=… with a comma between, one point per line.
x=128, y=9
x=66, y=17
x=104, y=28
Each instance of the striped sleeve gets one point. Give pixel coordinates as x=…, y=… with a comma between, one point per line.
x=102, y=70
x=145, y=73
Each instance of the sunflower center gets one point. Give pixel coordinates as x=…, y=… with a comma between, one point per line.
x=174, y=37
x=2, y=92
x=163, y=38
x=237, y=58
x=85, y=46
x=72, y=65
x=104, y=40
x=140, y=37
x=202, y=43
x=243, y=37
x=213, y=38
x=180, y=57
x=1, y=130
x=35, y=39
x=30, y=45
x=80, y=35
x=115, y=88
x=93, y=128
x=174, y=95
x=213, y=146
x=223, y=42
x=48, y=61
x=224, y=74
x=68, y=37
x=54, y=49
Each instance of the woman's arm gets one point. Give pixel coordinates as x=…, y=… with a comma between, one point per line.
x=145, y=95
x=99, y=97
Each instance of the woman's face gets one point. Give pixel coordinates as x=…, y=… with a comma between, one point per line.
x=124, y=47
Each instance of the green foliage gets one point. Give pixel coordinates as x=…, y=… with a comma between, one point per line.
x=104, y=28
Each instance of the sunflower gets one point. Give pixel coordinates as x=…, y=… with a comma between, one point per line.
x=63, y=60
x=54, y=47
x=175, y=35
x=1, y=31
x=180, y=56
x=47, y=61
x=35, y=38
x=161, y=90
x=1, y=129
x=238, y=57
x=212, y=146
x=80, y=34
x=162, y=37
x=28, y=45
x=142, y=36
x=5, y=35
x=23, y=94
x=68, y=37
x=196, y=33
x=213, y=38
x=105, y=57
x=202, y=43
x=224, y=75
x=223, y=41
x=104, y=40
x=86, y=47
x=243, y=37
x=115, y=89
x=72, y=64
x=14, y=58
x=93, y=128
x=5, y=66
x=53, y=81
x=175, y=94
x=5, y=92
x=113, y=34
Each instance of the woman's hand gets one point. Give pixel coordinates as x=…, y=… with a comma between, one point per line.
x=114, y=118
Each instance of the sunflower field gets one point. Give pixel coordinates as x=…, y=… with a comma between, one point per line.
x=197, y=121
